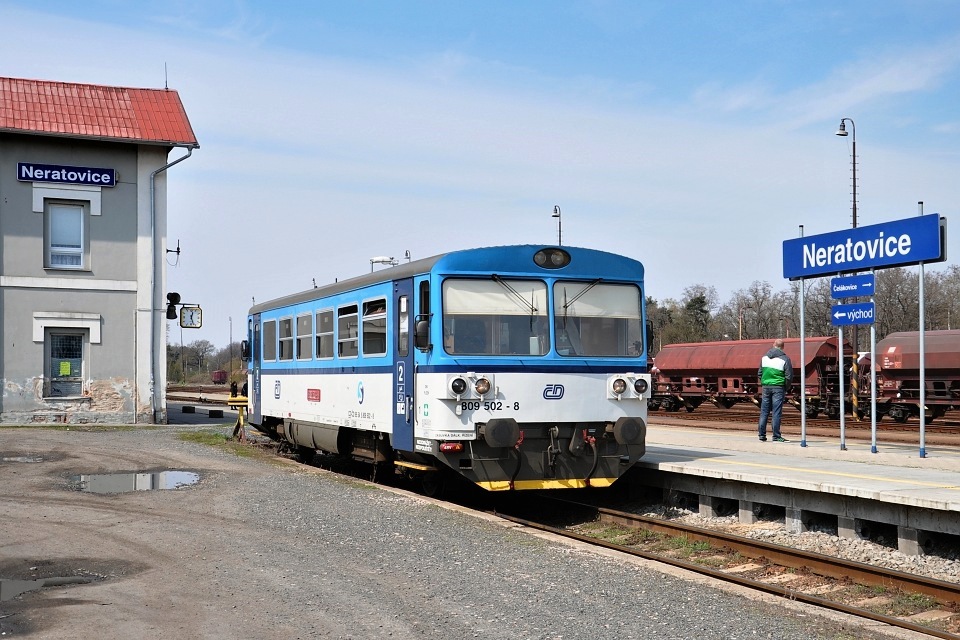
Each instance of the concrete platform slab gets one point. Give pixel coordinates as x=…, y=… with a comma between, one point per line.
x=895, y=475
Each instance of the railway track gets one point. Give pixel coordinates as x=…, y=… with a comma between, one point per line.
x=908, y=601
x=916, y=603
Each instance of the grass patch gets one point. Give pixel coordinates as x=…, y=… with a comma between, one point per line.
x=905, y=604
x=224, y=442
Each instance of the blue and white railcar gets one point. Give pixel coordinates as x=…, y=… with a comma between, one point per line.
x=516, y=367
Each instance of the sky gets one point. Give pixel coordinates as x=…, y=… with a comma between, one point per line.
x=694, y=136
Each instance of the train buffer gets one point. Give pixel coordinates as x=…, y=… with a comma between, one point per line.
x=240, y=404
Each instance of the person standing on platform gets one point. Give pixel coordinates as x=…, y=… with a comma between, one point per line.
x=775, y=375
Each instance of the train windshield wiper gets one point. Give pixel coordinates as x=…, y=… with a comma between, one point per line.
x=567, y=303
x=516, y=295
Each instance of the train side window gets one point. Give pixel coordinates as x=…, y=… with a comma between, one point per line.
x=286, y=338
x=269, y=340
x=325, y=333
x=375, y=327
x=304, y=336
x=422, y=321
x=347, y=331
x=403, y=327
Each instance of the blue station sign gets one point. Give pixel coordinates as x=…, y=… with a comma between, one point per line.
x=61, y=174
x=852, y=286
x=890, y=244
x=858, y=313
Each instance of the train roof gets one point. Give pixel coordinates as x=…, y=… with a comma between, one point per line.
x=480, y=260
x=901, y=350
x=740, y=354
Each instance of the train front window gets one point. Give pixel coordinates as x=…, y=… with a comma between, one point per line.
x=593, y=319
x=495, y=316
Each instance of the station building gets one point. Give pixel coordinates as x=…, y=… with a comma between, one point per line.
x=83, y=219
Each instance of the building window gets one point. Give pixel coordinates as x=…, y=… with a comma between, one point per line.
x=347, y=327
x=65, y=236
x=304, y=336
x=375, y=327
x=286, y=338
x=325, y=333
x=64, y=363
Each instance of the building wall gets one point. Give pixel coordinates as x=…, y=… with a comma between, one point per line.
x=112, y=303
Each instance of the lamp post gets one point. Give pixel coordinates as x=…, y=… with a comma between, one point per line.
x=842, y=131
x=556, y=214
x=854, y=378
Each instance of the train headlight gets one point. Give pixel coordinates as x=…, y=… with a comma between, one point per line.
x=551, y=258
x=458, y=386
x=482, y=386
x=618, y=386
x=640, y=386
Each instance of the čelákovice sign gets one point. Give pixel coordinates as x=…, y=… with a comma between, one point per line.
x=890, y=244
x=852, y=286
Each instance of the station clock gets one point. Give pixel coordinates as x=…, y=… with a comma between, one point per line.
x=191, y=317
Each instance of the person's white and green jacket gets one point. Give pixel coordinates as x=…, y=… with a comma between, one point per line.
x=775, y=370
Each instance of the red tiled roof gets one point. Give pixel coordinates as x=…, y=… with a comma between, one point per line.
x=146, y=116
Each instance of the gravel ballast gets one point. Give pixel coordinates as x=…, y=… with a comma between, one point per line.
x=269, y=549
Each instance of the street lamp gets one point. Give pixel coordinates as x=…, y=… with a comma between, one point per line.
x=556, y=214
x=854, y=378
x=842, y=131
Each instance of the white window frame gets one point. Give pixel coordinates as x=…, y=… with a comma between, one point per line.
x=304, y=337
x=81, y=252
x=285, y=333
x=348, y=331
x=324, y=335
x=374, y=327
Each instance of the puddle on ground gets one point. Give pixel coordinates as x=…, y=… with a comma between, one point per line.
x=10, y=589
x=21, y=459
x=122, y=482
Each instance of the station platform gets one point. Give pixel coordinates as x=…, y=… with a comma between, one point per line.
x=895, y=486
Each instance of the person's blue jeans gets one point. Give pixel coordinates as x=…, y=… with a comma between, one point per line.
x=772, y=401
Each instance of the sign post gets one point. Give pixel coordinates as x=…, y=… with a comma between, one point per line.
x=891, y=244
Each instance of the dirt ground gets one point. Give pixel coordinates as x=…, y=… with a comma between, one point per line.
x=253, y=550
x=142, y=563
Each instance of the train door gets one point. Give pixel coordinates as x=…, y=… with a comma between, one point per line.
x=403, y=321
x=256, y=408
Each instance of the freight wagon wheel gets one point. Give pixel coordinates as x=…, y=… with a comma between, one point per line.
x=305, y=454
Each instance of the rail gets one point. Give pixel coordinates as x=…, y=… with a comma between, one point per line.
x=941, y=592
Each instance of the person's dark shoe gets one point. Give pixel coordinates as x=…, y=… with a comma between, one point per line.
x=779, y=439
x=763, y=438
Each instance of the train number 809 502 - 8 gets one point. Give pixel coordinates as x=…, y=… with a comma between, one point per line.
x=475, y=405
